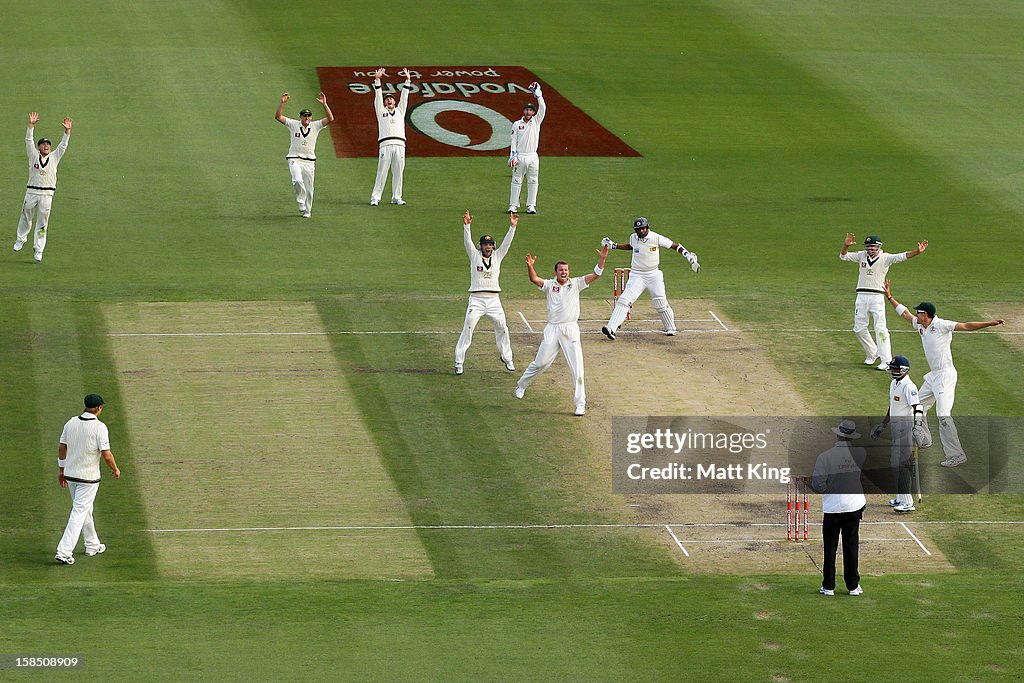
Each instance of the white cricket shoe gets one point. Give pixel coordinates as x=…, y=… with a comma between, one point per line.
x=64, y=559
x=580, y=410
x=608, y=332
x=531, y=209
x=99, y=551
x=904, y=507
x=671, y=333
x=954, y=461
x=38, y=256
x=857, y=591
x=513, y=209
x=399, y=202
x=871, y=360
x=508, y=365
x=882, y=365
x=519, y=392
x=306, y=215
x=826, y=591
x=374, y=202
x=458, y=368
x=18, y=244
x=893, y=502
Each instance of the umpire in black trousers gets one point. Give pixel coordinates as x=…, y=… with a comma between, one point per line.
x=837, y=476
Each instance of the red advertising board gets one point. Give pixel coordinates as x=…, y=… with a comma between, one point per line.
x=460, y=111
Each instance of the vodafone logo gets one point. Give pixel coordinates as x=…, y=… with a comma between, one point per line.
x=459, y=111
x=424, y=118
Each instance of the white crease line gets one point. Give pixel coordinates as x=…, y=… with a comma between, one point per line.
x=926, y=551
x=719, y=320
x=525, y=321
x=676, y=539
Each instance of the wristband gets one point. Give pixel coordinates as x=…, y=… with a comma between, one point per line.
x=901, y=309
x=598, y=270
x=61, y=463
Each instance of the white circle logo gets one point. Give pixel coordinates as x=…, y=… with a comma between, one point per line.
x=424, y=119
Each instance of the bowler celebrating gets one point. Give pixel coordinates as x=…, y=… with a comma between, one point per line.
x=563, y=329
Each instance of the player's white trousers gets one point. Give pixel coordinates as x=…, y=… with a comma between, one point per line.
x=939, y=389
x=303, y=172
x=639, y=280
x=391, y=157
x=528, y=165
x=485, y=304
x=36, y=205
x=567, y=338
x=870, y=305
x=900, y=459
x=80, y=522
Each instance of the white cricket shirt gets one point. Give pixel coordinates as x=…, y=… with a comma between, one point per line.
x=484, y=273
x=303, y=139
x=873, y=270
x=937, y=340
x=526, y=134
x=837, y=473
x=564, y=300
x=902, y=397
x=646, y=251
x=390, y=124
x=85, y=436
x=42, y=171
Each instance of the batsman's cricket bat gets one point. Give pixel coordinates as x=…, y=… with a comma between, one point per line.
x=917, y=474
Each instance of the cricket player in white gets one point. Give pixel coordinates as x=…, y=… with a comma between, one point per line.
x=302, y=152
x=939, y=386
x=874, y=265
x=390, y=137
x=484, y=271
x=42, y=183
x=523, y=158
x=563, y=329
x=645, y=274
x=83, y=442
x=906, y=417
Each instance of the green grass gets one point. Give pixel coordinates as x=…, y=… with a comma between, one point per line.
x=767, y=130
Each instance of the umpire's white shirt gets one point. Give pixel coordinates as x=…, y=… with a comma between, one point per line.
x=837, y=475
x=564, y=300
x=873, y=270
x=86, y=437
x=647, y=250
x=937, y=340
x=303, y=139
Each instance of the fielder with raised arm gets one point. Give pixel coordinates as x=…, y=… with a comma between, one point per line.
x=645, y=274
x=390, y=136
x=302, y=151
x=906, y=417
x=42, y=183
x=939, y=386
x=874, y=265
x=484, y=300
x=523, y=157
x=563, y=329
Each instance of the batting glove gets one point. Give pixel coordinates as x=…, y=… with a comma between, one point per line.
x=922, y=437
x=608, y=242
x=513, y=159
x=692, y=258
x=876, y=431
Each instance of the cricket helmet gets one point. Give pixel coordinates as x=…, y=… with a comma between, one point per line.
x=899, y=366
x=641, y=223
